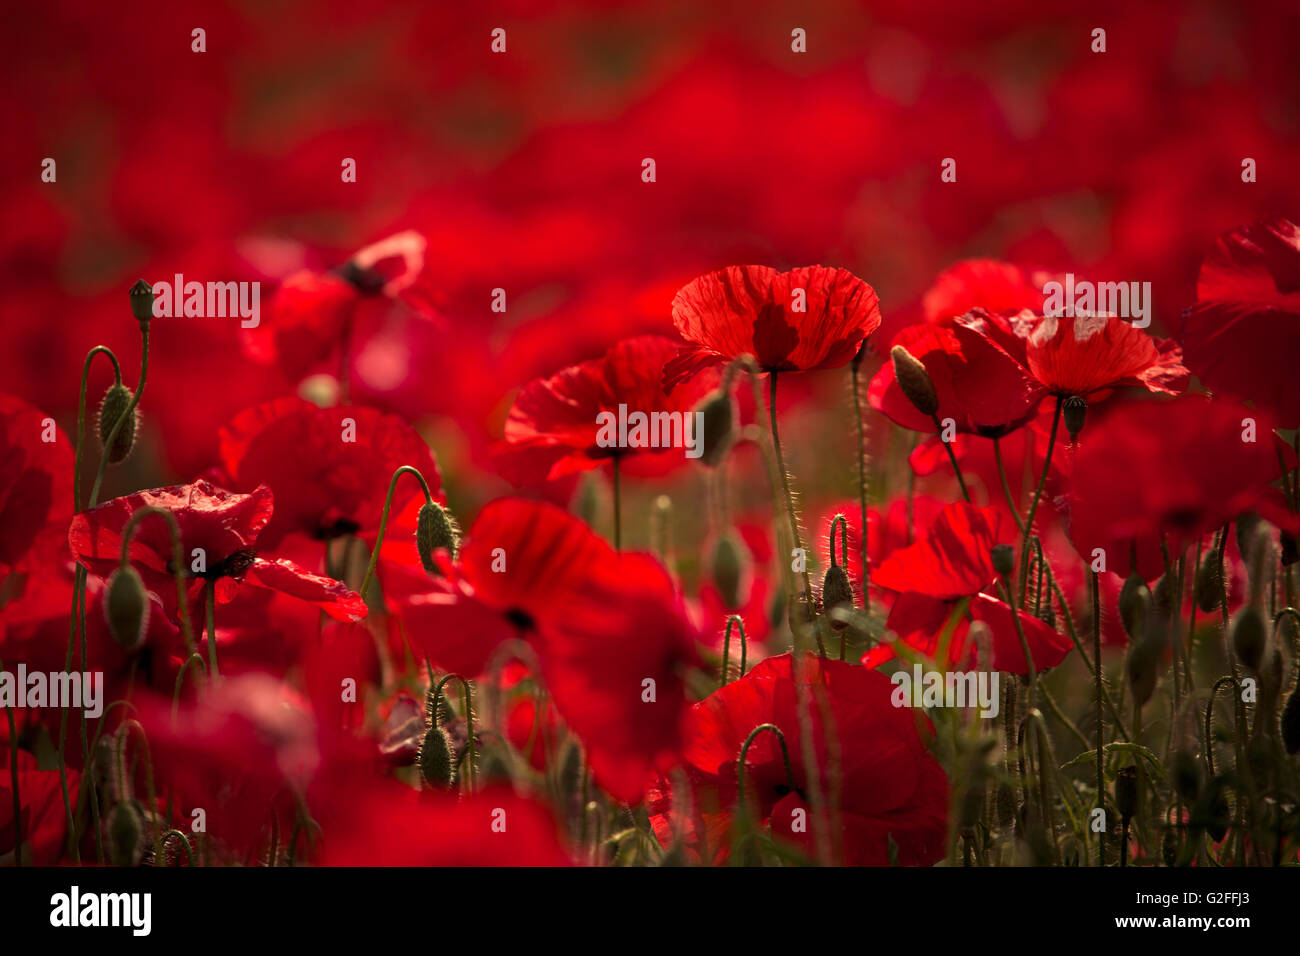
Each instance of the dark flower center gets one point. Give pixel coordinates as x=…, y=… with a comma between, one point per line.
x=521, y=619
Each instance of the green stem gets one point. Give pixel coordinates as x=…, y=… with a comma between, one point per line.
x=862, y=475
x=190, y=661
x=734, y=619
x=1006, y=485
x=744, y=753
x=618, y=506
x=210, y=602
x=789, y=497
x=177, y=564
x=1096, y=654
x=13, y=774
x=952, y=458
x=1033, y=504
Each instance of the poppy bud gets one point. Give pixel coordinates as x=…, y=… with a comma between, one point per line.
x=142, y=301
x=836, y=592
x=1209, y=584
x=434, y=529
x=116, y=401
x=124, y=830
x=1047, y=614
x=1291, y=723
x=1187, y=775
x=1140, y=668
x=1004, y=559
x=1126, y=791
x=1249, y=636
x=1134, y=605
x=717, y=425
x=1075, y=411
x=914, y=380
x=126, y=607
x=435, y=759
x=1162, y=598
x=729, y=563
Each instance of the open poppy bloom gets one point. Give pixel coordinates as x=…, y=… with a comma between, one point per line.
x=814, y=317
x=336, y=480
x=892, y=788
x=218, y=528
x=42, y=822
x=1243, y=334
x=951, y=561
x=556, y=426
x=1173, y=470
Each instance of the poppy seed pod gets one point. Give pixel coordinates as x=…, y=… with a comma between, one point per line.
x=1140, y=668
x=836, y=592
x=729, y=564
x=1249, y=635
x=126, y=607
x=116, y=401
x=1075, y=411
x=142, y=301
x=124, y=830
x=1004, y=559
x=1291, y=723
x=1126, y=791
x=1209, y=584
x=434, y=529
x=1134, y=606
x=914, y=380
x=435, y=759
x=718, y=426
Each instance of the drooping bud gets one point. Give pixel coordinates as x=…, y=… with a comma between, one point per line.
x=1134, y=606
x=1247, y=527
x=1075, y=412
x=1187, y=775
x=1162, y=598
x=124, y=830
x=730, y=563
x=914, y=380
x=1140, y=668
x=142, y=301
x=1126, y=792
x=1249, y=635
x=116, y=401
x=1004, y=559
x=836, y=592
x=1209, y=584
x=435, y=528
x=126, y=607
x=1291, y=723
x=717, y=426
x=435, y=761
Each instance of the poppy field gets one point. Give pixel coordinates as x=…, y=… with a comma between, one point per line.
x=646, y=435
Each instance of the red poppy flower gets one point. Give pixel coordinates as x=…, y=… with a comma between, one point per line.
x=42, y=817
x=554, y=424
x=225, y=526
x=892, y=788
x=35, y=479
x=814, y=317
x=520, y=567
x=616, y=665
x=982, y=388
x=1176, y=470
x=998, y=287
x=335, y=480
x=953, y=560
x=1244, y=331
x=393, y=825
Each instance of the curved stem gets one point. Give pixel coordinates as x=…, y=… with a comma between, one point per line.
x=383, y=521
x=744, y=752
x=734, y=619
x=190, y=661
x=175, y=529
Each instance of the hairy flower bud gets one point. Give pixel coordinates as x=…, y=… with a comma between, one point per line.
x=126, y=607
x=718, y=426
x=1075, y=411
x=1004, y=559
x=1209, y=584
x=142, y=301
x=729, y=564
x=1134, y=606
x=836, y=592
x=435, y=528
x=914, y=380
x=1249, y=636
x=1140, y=668
x=124, y=831
x=435, y=759
x=115, y=403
